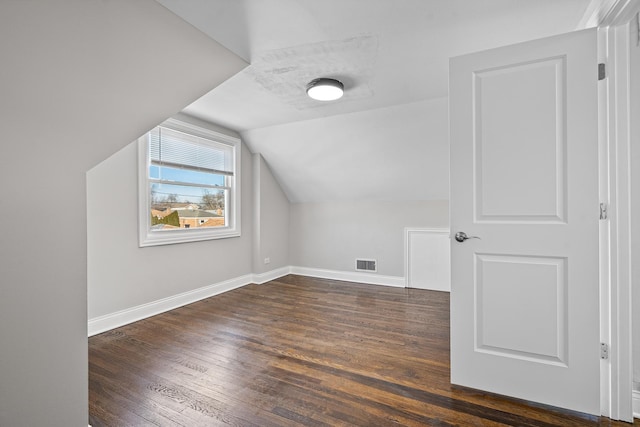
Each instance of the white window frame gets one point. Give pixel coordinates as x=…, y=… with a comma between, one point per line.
x=149, y=237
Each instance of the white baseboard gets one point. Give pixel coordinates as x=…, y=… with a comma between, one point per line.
x=271, y=275
x=107, y=322
x=636, y=404
x=101, y=324
x=350, y=276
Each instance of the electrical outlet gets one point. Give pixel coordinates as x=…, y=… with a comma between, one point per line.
x=267, y=260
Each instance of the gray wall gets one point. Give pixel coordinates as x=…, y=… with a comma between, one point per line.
x=271, y=221
x=122, y=275
x=79, y=80
x=332, y=235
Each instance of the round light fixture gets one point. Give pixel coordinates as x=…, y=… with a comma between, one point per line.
x=324, y=89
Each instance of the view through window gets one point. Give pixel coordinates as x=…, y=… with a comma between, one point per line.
x=188, y=180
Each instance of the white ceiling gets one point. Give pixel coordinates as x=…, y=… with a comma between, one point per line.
x=391, y=55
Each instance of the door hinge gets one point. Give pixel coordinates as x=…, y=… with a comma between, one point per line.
x=603, y=211
x=602, y=71
x=604, y=351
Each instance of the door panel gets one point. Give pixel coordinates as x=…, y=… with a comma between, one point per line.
x=521, y=307
x=524, y=178
x=529, y=186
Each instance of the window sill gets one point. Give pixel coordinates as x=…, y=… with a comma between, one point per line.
x=158, y=238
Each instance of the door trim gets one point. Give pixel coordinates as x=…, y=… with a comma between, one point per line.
x=600, y=13
x=614, y=117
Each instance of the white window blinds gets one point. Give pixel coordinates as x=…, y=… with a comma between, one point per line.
x=171, y=148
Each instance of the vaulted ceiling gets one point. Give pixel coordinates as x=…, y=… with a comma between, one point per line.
x=386, y=138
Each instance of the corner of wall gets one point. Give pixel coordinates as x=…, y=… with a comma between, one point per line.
x=256, y=253
x=271, y=220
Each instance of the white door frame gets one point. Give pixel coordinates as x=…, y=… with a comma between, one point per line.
x=615, y=174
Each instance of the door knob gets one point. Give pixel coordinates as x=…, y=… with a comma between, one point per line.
x=461, y=236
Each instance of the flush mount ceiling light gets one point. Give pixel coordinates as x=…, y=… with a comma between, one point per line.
x=325, y=89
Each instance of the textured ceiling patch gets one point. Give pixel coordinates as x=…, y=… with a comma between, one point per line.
x=286, y=72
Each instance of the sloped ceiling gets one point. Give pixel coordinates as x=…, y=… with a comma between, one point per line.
x=387, y=137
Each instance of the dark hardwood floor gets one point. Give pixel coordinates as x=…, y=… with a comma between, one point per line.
x=297, y=351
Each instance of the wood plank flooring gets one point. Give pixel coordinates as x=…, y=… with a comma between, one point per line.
x=297, y=351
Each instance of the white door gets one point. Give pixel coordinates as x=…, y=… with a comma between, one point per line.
x=524, y=178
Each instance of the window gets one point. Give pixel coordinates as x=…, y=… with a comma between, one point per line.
x=189, y=184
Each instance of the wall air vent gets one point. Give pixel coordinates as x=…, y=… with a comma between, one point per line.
x=366, y=265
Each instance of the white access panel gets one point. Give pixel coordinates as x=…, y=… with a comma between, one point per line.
x=428, y=259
